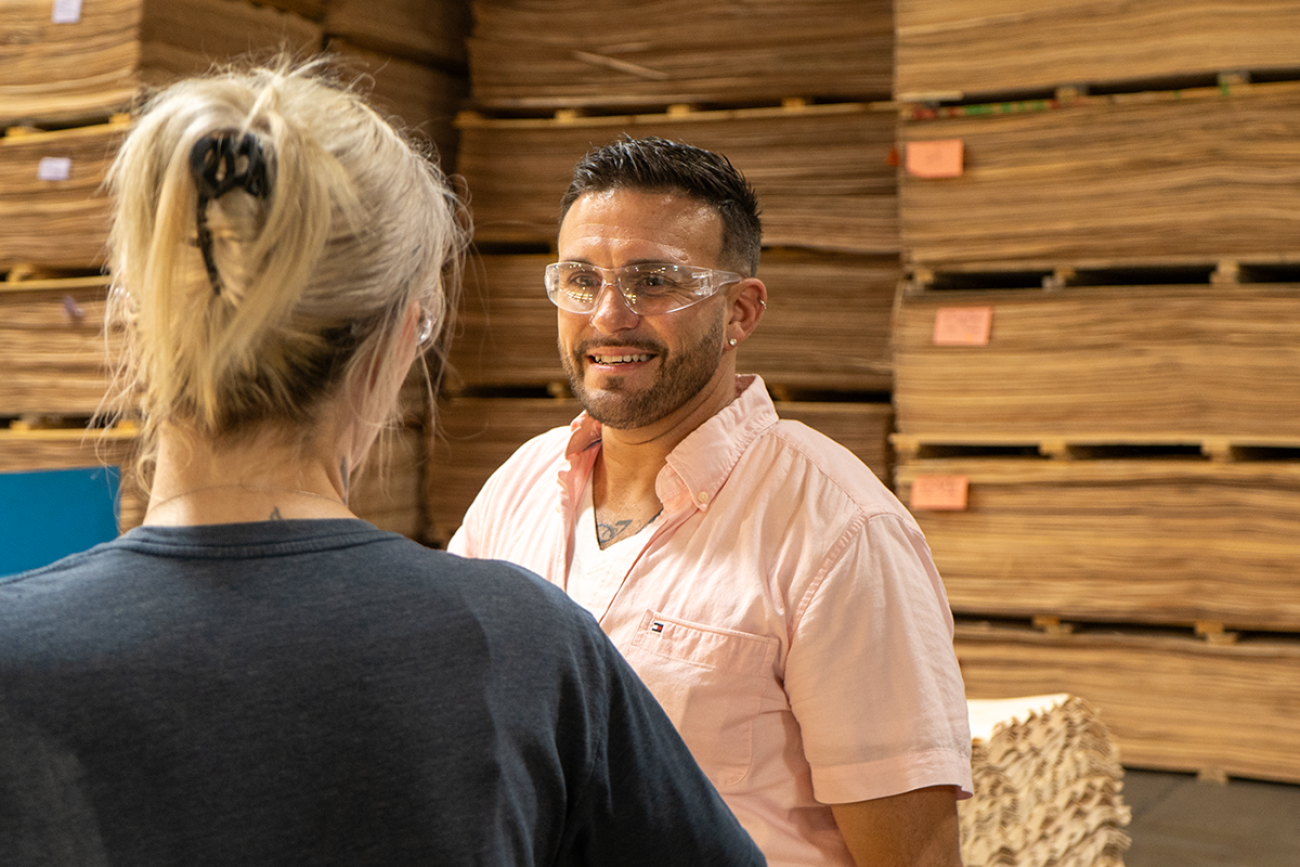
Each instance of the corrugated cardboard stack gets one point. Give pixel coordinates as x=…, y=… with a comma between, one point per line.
x=1048, y=785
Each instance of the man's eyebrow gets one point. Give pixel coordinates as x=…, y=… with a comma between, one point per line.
x=633, y=262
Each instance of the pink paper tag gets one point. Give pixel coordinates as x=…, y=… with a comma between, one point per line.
x=941, y=158
x=963, y=326
x=940, y=493
x=66, y=12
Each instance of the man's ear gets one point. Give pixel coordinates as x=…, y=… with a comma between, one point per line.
x=747, y=302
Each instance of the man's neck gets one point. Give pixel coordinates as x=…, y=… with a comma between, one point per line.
x=629, y=463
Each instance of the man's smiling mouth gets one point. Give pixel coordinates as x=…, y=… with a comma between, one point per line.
x=619, y=359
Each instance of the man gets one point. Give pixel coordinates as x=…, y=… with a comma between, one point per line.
x=778, y=601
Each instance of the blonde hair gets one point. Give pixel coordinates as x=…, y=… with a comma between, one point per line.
x=313, y=275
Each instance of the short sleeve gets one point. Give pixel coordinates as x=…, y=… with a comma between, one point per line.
x=872, y=675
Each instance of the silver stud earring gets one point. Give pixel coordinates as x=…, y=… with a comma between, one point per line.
x=731, y=342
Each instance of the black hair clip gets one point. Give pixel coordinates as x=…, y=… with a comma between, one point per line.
x=215, y=162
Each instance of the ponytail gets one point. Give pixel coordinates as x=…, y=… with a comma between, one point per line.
x=270, y=232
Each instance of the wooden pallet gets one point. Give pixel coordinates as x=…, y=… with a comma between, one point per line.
x=1165, y=541
x=1095, y=446
x=1172, y=702
x=1210, y=366
x=1279, y=269
x=1191, y=174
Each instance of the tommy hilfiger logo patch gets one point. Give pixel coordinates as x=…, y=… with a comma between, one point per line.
x=657, y=626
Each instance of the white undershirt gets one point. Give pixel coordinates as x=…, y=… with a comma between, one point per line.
x=596, y=574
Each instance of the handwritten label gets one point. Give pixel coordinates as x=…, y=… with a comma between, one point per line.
x=54, y=168
x=66, y=12
x=963, y=326
x=940, y=493
x=942, y=158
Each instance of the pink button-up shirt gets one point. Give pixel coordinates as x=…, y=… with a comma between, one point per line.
x=785, y=612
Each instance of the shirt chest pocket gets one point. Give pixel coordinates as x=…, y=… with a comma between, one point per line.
x=710, y=682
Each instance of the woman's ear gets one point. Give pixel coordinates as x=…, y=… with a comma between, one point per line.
x=748, y=301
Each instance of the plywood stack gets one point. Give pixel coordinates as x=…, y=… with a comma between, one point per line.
x=1185, y=364
x=72, y=62
x=70, y=72
x=971, y=49
x=1194, y=176
x=412, y=54
x=1164, y=541
x=793, y=95
x=1095, y=375
x=1048, y=786
x=610, y=53
x=1171, y=701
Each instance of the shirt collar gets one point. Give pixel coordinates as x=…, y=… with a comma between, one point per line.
x=701, y=463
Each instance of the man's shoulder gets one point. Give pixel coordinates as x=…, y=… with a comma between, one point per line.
x=548, y=445
x=825, y=468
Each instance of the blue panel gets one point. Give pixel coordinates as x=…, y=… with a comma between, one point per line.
x=48, y=514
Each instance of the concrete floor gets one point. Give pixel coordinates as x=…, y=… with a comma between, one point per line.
x=1180, y=821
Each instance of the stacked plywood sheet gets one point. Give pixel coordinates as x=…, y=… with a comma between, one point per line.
x=821, y=172
x=420, y=98
x=430, y=32
x=1047, y=786
x=52, y=347
x=1166, y=541
x=1172, y=702
x=956, y=48
x=73, y=61
x=612, y=53
x=53, y=213
x=1196, y=176
x=1156, y=364
x=476, y=436
x=506, y=328
x=56, y=358
x=313, y=9
x=826, y=327
x=1117, y=158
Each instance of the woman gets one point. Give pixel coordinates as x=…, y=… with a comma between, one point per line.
x=256, y=676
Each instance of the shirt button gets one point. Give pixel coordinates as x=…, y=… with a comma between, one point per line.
x=703, y=497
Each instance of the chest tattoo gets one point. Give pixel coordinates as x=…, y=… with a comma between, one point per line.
x=606, y=533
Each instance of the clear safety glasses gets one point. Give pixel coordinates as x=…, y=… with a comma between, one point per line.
x=649, y=289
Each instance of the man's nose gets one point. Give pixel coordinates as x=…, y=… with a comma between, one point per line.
x=612, y=312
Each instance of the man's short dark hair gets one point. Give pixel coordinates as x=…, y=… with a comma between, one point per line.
x=654, y=164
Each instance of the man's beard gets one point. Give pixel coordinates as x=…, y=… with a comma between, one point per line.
x=679, y=379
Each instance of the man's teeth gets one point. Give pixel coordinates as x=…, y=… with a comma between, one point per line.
x=619, y=359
